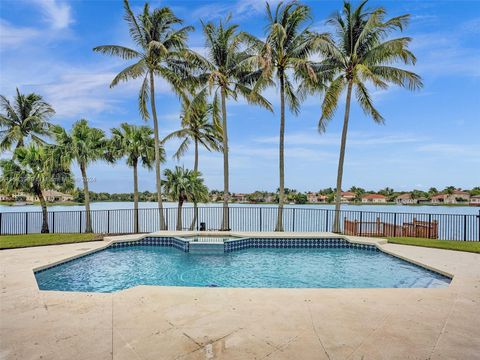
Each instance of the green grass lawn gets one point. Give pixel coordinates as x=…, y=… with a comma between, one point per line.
x=18, y=241
x=470, y=246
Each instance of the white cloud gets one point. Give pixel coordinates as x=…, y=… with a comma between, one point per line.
x=56, y=13
x=354, y=139
x=12, y=36
x=240, y=9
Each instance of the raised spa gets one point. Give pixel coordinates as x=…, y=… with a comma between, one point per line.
x=243, y=263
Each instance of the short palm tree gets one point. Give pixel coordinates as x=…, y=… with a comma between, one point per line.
x=228, y=73
x=137, y=145
x=161, y=51
x=286, y=57
x=84, y=145
x=199, y=129
x=184, y=185
x=363, y=52
x=24, y=120
x=33, y=170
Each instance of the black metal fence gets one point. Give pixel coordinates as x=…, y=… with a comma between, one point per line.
x=295, y=219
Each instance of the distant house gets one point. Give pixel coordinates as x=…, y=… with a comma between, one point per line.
x=374, y=198
x=475, y=200
x=456, y=197
x=423, y=200
x=24, y=197
x=56, y=196
x=6, y=197
x=312, y=197
x=270, y=198
x=348, y=196
x=405, y=199
x=316, y=198
x=242, y=198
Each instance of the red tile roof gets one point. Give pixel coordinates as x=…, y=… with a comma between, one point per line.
x=373, y=196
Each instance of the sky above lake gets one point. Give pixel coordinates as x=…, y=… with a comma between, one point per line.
x=431, y=137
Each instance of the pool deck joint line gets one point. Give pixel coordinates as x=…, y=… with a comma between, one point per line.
x=153, y=322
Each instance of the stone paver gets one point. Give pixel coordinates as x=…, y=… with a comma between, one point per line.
x=149, y=322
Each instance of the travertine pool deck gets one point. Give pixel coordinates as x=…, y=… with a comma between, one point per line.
x=150, y=322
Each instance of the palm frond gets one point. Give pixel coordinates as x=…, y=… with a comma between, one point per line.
x=363, y=98
x=330, y=101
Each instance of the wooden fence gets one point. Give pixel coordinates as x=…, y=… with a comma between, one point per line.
x=420, y=229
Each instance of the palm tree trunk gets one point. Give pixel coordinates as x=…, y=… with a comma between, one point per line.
x=179, y=214
x=88, y=219
x=135, y=196
x=225, y=221
x=338, y=196
x=43, y=203
x=195, y=206
x=158, y=179
x=281, y=190
x=195, y=165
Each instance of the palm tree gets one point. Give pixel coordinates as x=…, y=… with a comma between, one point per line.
x=363, y=52
x=285, y=56
x=197, y=128
x=137, y=145
x=33, y=170
x=228, y=73
x=84, y=145
x=184, y=185
x=161, y=51
x=27, y=119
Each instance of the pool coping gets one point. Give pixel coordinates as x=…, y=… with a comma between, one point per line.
x=377, y=242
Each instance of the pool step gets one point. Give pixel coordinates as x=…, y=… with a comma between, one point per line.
x=206, y=248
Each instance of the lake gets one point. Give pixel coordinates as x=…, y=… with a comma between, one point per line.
x=423, y=209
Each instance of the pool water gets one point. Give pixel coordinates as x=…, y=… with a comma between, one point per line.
x=120, y=268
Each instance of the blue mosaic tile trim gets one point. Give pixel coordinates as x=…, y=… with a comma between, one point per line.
x=155, y=241
x=332, y=243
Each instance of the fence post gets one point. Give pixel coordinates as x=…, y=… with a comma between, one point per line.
x=394, y=224
x=293, y=220
x=464, y=227
x=361, y=218
x=166, y=219
x=429, y=225
x=326, y=220
x=53, y=222
x=108, y=221
x=260, y=218
x=80, y=228
x=137, y=223
x=26, y=223
x=478, y=217
x=1, y=223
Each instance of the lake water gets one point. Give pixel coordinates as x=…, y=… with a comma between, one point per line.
x=423, y=209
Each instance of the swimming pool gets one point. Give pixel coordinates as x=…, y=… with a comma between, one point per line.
x=126, y=266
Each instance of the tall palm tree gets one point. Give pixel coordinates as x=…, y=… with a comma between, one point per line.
x=84, y=145
x=363, y=53
x=161, y=52
x=228, y=73
x=33, y=170
x=197, y=128
x=286, y=57
x=24, y=120
x=184, y=185
x=138, y=146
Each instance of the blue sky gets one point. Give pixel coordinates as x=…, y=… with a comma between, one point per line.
x=431, y=137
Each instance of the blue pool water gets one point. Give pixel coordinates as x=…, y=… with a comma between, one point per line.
x=124, y=267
